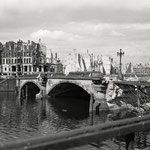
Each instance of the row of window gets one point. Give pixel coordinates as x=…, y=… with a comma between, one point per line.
x=141, y=70
x=16, y=54
x=14, y=69
x=20, y=46
x=15, y=61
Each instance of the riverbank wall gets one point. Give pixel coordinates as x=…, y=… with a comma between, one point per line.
x=8, y=85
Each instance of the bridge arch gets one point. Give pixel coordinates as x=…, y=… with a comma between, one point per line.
x=70, y=99
x=69, y=89
x=30, y=82
x=29, y=88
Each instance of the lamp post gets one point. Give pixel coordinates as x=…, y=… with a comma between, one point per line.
x=1, y=50
x=120, y=54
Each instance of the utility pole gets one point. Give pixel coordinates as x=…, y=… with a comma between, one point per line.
x=1, y=50
x=120, y=54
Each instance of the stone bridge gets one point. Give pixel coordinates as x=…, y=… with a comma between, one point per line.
x=29, y=85
x=77, y=87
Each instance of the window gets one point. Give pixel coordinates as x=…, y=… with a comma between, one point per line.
x=34, y=69
x=12, y=54
x=3, y=61
x=25, y=68
x=13, y=68
x=29, y=68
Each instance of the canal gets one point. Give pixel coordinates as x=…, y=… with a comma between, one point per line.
x=31, y=118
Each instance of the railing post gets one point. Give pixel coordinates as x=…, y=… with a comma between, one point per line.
x=130, y=141
x=138, y=100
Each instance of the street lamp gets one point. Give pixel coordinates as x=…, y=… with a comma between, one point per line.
x=120, y=54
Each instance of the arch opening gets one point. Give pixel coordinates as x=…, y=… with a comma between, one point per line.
x=29, y=90
x=70, y=100
x=68, y=90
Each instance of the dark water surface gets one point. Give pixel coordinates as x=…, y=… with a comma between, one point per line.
x=29, y=118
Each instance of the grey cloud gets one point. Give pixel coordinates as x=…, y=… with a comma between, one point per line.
x=35, y=16
x=120, y=21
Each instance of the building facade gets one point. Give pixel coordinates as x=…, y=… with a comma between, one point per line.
x=138, y=69
x=76, y=62
x=22, y=58
x=141, y=70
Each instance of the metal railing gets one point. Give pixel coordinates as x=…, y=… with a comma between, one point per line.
x=84, y=136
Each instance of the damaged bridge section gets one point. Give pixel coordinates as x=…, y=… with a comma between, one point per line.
x=89, y=88
x=92, y=90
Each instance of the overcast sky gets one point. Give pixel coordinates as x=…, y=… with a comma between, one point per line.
x=101, y=26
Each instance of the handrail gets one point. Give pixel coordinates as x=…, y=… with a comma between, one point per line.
x=83, y=136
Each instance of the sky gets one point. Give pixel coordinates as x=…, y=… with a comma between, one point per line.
x=101, y=26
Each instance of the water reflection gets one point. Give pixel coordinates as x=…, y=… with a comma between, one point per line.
x=30, y=117
x=72, y=108
x=27, y=117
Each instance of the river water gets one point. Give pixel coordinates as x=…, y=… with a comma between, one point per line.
x=29, y=118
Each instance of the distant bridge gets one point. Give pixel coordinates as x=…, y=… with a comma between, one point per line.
x=88, y=87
